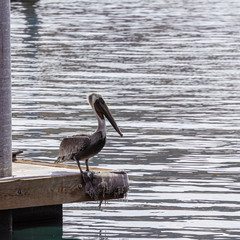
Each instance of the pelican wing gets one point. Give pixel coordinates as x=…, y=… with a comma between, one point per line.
x=71, y=146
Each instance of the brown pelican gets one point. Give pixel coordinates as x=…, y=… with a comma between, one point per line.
x=81, y=147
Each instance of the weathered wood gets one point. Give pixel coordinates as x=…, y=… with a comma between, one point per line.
x=5, y=109
x=58, y=165
x=5, y=91
x=98, y=185
x=54, y=185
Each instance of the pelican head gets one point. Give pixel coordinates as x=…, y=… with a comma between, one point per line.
x=100, y=107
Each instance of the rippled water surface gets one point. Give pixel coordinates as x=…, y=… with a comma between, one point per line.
x=169, y=71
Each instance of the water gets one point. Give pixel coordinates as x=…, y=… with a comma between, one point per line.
x=169, y=71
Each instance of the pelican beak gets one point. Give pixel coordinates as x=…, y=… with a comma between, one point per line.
x=103, y=108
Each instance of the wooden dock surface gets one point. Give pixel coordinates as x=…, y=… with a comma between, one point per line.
x=43, y=184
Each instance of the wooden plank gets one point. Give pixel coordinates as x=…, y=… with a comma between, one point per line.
x=43, y=191
x=59, y=165
x=59, y=185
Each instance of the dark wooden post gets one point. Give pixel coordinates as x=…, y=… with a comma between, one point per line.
x=5, y=110
x=5, y=91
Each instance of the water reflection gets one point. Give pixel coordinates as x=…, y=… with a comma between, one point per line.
x=170, y=73
x=38, y=232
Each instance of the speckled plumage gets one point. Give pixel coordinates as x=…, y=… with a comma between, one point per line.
x=81, y=147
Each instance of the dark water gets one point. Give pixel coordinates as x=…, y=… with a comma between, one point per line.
x=169, y=71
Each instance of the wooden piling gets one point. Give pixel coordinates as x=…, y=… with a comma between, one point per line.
x=5, y=91
x=5, y=110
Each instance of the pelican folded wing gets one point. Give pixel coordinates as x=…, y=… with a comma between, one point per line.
x=72, y=146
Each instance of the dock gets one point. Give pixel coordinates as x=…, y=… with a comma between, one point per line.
x=40, y=185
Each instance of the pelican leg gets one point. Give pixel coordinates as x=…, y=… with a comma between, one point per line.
x=78, y=163
x=99, y=206
x=87, y=168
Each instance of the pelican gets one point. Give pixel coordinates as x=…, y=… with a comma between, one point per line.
x=82, y=147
